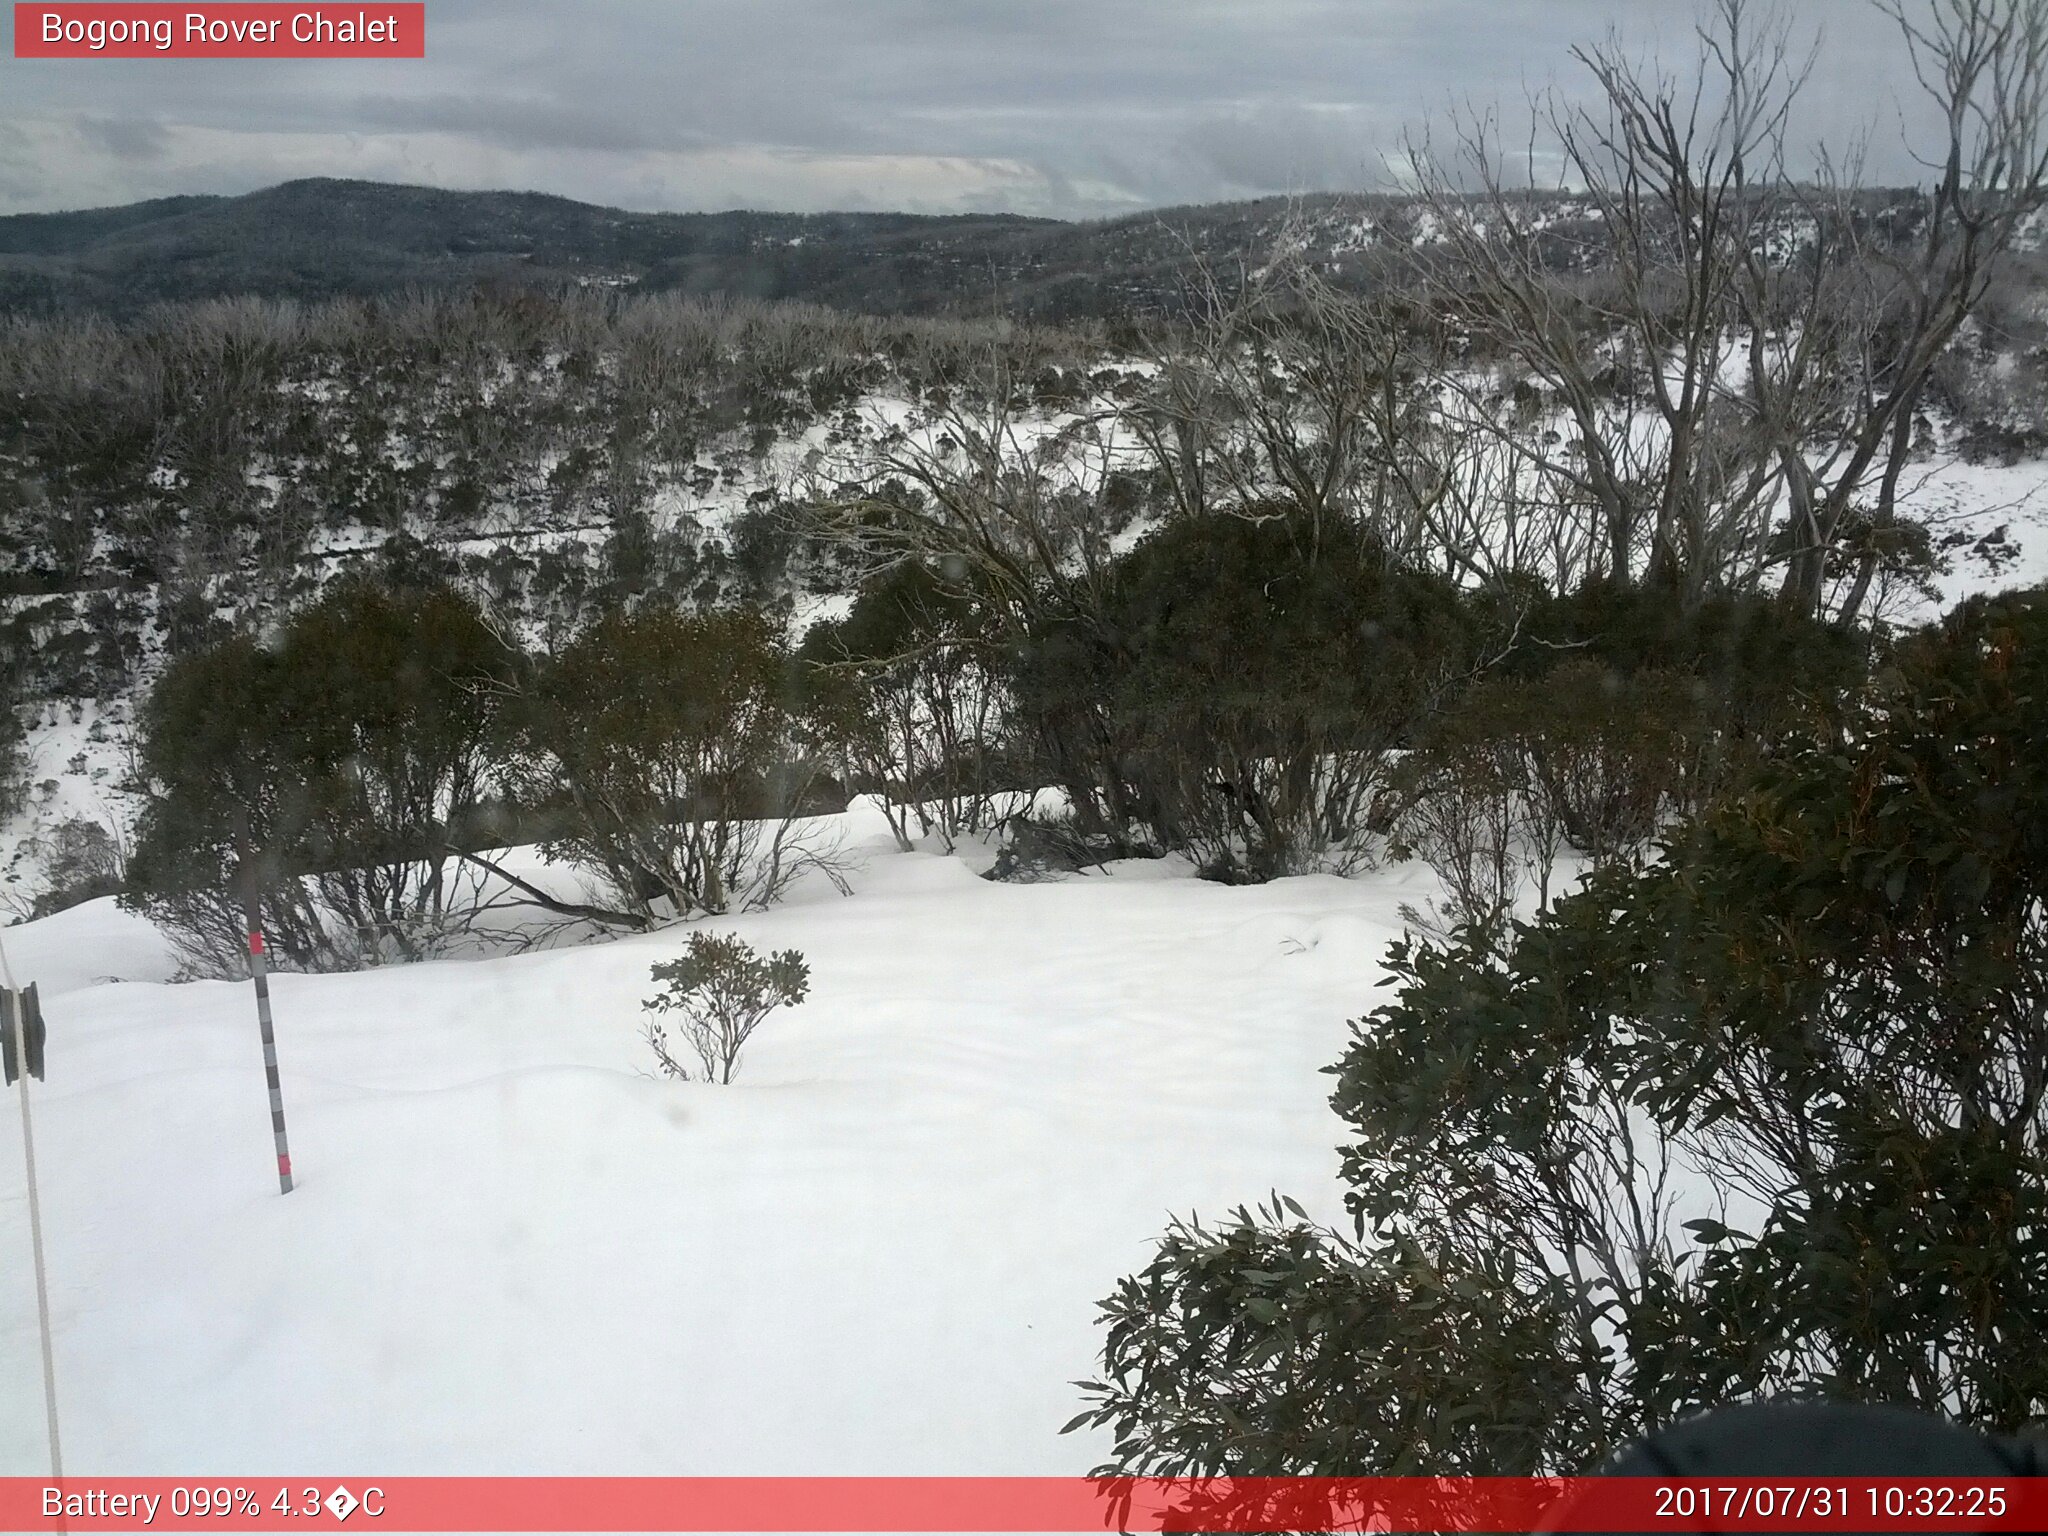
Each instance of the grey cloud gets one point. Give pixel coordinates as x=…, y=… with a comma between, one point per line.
x=525, y=122
x=21, y=179
x=1288, y=148
x=125, y=138
x=1081, y=107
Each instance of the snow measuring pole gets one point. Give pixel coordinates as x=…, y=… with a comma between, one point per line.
x=259, y=973
x=21, y=1018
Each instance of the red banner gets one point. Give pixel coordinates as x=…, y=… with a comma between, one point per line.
x=216, y=31
x=1012, y=1504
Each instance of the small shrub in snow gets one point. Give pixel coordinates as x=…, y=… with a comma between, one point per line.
x=723, y=990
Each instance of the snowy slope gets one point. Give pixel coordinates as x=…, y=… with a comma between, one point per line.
x=76, y=770
x=1978, y=499
x=513, y=1252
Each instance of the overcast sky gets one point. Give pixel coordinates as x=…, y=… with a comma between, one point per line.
x=1075, y=108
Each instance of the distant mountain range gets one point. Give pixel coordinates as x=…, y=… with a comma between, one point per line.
x=323, y=238
x=320, y=238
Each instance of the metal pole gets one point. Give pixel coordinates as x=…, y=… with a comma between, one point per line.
x=259, y=972
x=35, y=1220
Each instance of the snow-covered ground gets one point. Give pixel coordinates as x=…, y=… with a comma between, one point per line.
x=76, y=771
x=513, y=1251
x=1979, y=499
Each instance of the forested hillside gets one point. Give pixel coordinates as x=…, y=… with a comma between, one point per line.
x=317, y=239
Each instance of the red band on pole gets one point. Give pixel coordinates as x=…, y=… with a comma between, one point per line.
x=255, y=943
x=284, y=1163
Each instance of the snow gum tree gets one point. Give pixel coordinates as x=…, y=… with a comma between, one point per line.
x=1732, y=351
x=666, y=754
x=325, y=783
x=1614, y=712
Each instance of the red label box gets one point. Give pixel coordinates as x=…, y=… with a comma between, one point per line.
x=367, y=29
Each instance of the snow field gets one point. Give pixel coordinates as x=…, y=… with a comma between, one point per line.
x=512, y=1251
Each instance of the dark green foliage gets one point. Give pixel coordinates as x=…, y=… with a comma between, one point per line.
x=1605, y=714
x=1235, y=690
x=906, y=608
x=1521, y=768
x=764, y=542
x=1770, y=1115
x=723, y=990
x=1271, y=1347
x=1764, y=670
x=394, y=702
x=406, y=563
x=221, y=764
x=188, y=619
x=1610, y=753
x=631, y=556
x=328, y=779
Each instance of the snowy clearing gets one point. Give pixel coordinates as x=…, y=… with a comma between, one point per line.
x=513, y=1251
